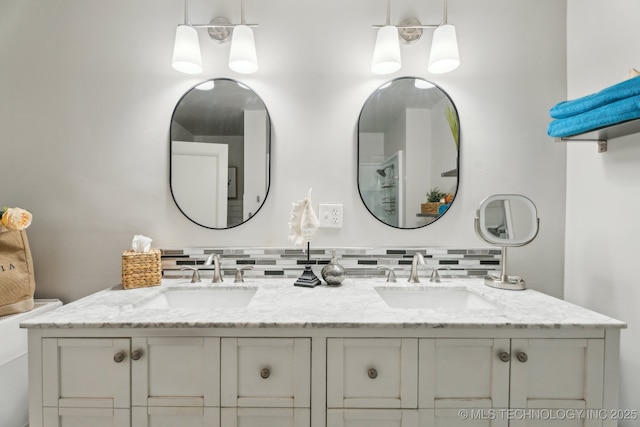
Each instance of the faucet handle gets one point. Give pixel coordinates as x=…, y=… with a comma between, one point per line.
x=195, y=277
x=435, y=276
x=240, y=273
x=391, y=277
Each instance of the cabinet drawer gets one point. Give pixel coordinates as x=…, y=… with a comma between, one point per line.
x=372, y=373
x=265, y=417
x=176, y=416
x=266, y=372
x=372, y=418
x=462, y=418
x=84, y=417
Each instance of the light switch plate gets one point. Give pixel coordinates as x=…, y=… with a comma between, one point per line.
x=330, y=215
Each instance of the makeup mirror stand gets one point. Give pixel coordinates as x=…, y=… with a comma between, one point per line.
x=504, y=281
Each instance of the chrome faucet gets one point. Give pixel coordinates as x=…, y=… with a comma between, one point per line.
x=217, y=274
x=418, y=259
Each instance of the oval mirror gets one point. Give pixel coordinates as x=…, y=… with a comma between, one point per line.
x=507, y=220
x=408, y=153
x=220, y=153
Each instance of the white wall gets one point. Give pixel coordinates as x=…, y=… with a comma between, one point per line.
x=87, y=93
x=602, y=229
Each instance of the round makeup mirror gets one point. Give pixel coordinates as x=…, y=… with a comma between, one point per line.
x=408, y=153
x=507, y=220
x=220, y=153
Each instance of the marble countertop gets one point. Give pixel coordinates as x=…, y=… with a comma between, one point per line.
x=354, y=304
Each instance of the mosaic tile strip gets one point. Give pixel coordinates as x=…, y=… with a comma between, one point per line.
x=358, y=262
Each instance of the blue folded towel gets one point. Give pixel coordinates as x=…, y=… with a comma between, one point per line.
x=610, y=114
x=606, y=96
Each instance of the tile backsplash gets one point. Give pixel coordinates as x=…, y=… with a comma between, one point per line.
x=359, y=262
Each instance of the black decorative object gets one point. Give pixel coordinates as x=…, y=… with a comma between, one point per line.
x=308, y=279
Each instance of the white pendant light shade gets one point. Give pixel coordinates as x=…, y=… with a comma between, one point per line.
x=444, y=55
x=242, y=58
x=386, y=56
x=186, y=51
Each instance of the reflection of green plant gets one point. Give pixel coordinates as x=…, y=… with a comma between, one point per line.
x=454, y=125
x=434, y=195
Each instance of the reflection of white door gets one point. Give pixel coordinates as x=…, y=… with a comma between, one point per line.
x=256, y=175
x=199, y=177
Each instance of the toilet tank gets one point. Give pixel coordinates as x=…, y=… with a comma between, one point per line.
x=14, y=378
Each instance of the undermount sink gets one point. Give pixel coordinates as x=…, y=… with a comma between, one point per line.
x=201, y=299
x=434, y=298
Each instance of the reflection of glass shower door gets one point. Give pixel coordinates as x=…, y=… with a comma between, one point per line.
x=390, y=192
x=382, y=189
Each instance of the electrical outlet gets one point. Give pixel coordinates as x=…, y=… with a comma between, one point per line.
x=330, y=215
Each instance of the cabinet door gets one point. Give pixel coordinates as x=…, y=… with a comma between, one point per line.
x=372, y=418
x=176, y=372
x=265, y=417
x=464, y=373
x=556, y=374
x=372, y=373
x=175, y=417
x=86, y=373
x=266, y=372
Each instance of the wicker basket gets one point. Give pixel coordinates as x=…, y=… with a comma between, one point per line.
x=140, y=270
x=429, y=207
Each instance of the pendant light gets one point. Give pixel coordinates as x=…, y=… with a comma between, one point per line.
x=444, y=56
x=243, y=58
x=186, y=48
x=386, y=54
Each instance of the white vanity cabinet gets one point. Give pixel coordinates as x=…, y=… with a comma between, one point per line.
x=328, y=357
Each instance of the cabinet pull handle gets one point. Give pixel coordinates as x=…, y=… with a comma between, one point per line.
x=372, y=373
x=136, y=354
x=522, y=357
x=504, y=356
x=265, y=373
x=118, y=357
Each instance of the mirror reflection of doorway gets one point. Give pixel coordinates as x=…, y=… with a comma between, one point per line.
x=206, y=165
